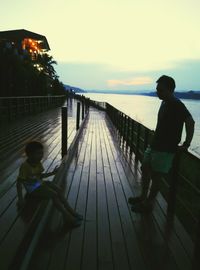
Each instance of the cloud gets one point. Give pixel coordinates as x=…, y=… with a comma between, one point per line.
x=92, y=76
x=128, y=82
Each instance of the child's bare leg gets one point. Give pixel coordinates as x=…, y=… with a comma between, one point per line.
x=67, y=206
x=66, y=215
x=48, y=192
x=54, y=187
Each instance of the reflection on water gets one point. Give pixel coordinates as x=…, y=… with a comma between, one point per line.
x=144, y=109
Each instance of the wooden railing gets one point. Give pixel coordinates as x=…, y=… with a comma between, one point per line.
x=181, y=188
x=16, y=107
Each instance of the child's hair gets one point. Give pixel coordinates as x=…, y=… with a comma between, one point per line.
x=33, y=146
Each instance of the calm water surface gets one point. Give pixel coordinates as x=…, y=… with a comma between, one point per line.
x=144, y=109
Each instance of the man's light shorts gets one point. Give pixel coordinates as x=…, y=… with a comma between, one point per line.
x=159, y=161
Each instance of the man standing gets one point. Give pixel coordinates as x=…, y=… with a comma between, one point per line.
x=159, y=156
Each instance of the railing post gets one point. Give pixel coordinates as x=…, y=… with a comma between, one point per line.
x=121, y=124
x=78, y=116
x=83, y=108
x=146, y=138
x=117, y=121
x=128, y=133
x=110, y=112
x=132, y=137
x=64, y=131
x=137, y=143
x=87, y=105
x=124, y=127
x=113, y=116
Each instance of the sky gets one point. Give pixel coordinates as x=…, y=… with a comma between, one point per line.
x=115, y=44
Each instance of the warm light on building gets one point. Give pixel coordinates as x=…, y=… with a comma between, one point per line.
x=25, y=41
x=33, y=46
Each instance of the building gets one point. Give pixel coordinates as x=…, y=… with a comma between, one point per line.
x=24, y=42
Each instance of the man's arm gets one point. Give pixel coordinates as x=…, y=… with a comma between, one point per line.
x=189, y=127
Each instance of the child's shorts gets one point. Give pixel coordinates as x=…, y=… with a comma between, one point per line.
x=159, y=161
x=45, y=191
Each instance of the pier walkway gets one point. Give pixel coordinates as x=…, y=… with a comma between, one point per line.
x=45, y=127
x=98, y=183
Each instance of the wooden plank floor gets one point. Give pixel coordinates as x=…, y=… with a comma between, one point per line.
x=98, y=184
x=45, y=127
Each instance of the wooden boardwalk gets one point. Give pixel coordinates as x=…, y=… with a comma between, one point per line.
x=45, y=127
x=98, y=183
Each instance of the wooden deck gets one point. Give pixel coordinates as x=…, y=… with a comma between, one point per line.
x=45, y=127
x=99, y=181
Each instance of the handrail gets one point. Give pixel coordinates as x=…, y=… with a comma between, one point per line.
x=136, y=137
x=19, y=97
x=15, y=107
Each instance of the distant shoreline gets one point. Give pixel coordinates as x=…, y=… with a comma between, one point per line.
x=193, y=95
x=184, y=95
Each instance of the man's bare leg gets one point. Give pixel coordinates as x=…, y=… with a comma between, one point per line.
x=147, y=204
x=146, y=177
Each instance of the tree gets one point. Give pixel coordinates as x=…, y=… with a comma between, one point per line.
x=21, y=76
x=46, y=62
x=58, y=88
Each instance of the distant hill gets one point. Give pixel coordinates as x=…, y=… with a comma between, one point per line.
x=179, y=94
x=183, y=95
x=73, y=89
x=119, y=92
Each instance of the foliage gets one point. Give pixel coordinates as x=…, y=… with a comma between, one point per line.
x=21, y=76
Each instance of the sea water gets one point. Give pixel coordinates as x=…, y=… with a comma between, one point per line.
x=144, y=109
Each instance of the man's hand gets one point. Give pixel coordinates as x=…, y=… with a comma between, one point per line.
x=183, y=147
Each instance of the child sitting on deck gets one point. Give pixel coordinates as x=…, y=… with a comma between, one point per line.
x=31, y=177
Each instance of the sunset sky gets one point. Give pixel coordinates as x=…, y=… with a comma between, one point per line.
x=115, y=44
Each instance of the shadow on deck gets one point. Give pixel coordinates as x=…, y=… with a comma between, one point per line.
x=99, y=181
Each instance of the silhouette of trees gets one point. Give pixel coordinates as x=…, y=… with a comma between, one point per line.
x=46, y=63
x=22, y=76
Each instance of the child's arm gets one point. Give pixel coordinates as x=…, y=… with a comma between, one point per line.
x=20, y=202
x=45, y=175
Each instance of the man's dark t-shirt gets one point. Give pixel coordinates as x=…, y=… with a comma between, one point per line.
x=171, y=117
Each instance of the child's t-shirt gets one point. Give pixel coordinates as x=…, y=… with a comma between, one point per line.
x=31, y=175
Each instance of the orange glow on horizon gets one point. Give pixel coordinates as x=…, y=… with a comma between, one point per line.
x=128, y=82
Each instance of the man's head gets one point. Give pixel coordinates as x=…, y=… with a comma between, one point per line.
x=34, y=151
x=165, y=87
